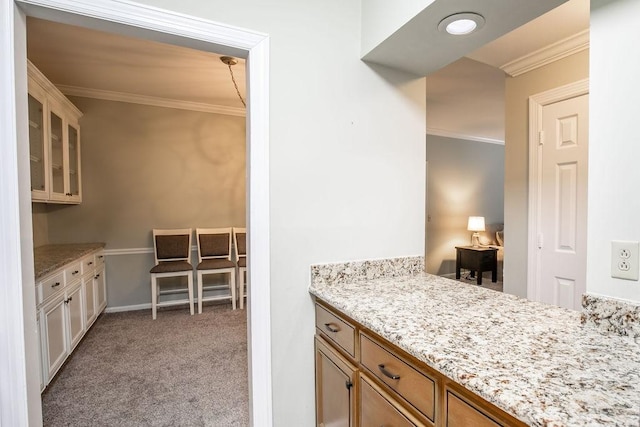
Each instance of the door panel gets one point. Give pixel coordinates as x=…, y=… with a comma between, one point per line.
x=563, y=203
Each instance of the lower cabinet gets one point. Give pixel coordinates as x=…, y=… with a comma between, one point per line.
x=54, y=340
x=67, y=305
x=74, y=312
x=363, y=380
x=335, y=388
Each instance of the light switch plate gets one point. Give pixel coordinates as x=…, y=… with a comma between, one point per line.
x=625, y=257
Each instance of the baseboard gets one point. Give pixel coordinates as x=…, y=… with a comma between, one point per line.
x=122, y=308
x=450, y=276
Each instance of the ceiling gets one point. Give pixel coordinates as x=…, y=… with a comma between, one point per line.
x=79, y=60
x=464, y=99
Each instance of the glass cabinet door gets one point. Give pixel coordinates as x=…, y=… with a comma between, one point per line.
x=74, y=161
x=57, y=155
x=37, y=145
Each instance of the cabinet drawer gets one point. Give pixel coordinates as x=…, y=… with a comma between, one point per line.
x=336, y=329
x=412, y=385
x=376, y=409
x=49, y=287
x=461, y=413
x=88, y=265
x=99, y=258
x=72, y=272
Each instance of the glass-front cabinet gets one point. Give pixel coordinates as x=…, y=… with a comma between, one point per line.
x=54, y=143
x=37, y=147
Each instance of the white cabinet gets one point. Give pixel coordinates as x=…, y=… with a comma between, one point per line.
x=54, y=342
x=54, y=142
x=75, y=318
x=69, y=301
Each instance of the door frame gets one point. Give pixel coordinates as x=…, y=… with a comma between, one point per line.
x=19, y=402
x=537, y=103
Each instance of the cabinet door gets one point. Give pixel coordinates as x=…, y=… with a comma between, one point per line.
x=461, y=413
x=335, y=383
x=377, y=409
x=41, y=358
x=73, y=136
x=37, y=146
x=75, y=316
x=100, y=287
x=89, y=300
x=58, y=167
x=54, y=340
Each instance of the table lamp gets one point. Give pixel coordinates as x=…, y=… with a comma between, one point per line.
x=475, y=224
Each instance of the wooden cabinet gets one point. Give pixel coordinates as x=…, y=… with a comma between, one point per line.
x=54, y=142
x=393, y=388
x=68, y=302
x=335, y=387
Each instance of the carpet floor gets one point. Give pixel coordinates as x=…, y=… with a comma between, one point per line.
x=178, y=370
x=486, y=281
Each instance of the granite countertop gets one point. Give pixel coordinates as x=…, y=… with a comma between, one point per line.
x=48, y=258
x=535, y=361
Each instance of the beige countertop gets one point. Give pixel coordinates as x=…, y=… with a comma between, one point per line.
x=538, y=362
x=49, y=258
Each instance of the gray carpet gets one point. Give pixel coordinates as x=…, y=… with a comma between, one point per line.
x=178, y=370
x=486, y=281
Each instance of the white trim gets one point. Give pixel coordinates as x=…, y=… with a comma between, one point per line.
x=14, y=385
x=548, y=54
x=457, y=135
x=128, y=251
x=134, y=251
x=150, y=100
x=536, y=104
x=122, y=308
x=141, y=20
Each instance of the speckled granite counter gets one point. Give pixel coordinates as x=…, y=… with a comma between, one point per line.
x=48, y=258
x=536, y=362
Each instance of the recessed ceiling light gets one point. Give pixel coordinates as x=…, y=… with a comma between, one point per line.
x=461, y=24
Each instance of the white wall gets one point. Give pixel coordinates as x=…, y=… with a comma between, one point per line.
x=347, y=163
x=614, y=197
x=381, y=18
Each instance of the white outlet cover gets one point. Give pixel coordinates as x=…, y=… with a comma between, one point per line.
x=617, y=255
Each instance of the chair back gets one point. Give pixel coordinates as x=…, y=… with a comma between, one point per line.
x=214, y=243
x=172, y=244
x=240, y=242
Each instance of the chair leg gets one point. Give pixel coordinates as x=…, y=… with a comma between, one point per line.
x=232, y=286
x=190, y=285
x=241, y=281
x=154, y=296
x=199, y=292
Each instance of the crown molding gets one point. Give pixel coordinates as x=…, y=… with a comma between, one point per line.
x=150, y=100
x=457, y=135
x=554, y=52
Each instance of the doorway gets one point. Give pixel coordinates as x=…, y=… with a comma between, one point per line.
x=23, y=408
x=558, y=155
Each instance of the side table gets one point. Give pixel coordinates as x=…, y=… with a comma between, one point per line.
x=477, y=259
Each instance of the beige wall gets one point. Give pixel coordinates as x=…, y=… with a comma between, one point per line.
x=518, y=91
x=40, y=224
x=466, y=178
x=148, y=167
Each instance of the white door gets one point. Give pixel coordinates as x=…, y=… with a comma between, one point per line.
x=562, y=229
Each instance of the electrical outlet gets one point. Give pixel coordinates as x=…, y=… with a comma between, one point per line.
x=625, y=260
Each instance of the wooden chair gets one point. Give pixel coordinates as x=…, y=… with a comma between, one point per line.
x=240, y=243
x=214, y=257
x=172, y=250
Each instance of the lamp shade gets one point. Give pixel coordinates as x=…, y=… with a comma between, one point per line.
x=476, y=223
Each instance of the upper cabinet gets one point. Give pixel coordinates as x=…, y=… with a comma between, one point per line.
x=54, y=142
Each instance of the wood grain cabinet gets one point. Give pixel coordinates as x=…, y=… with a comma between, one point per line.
x=54, y=142
x=364, y=380
x=68, y=302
